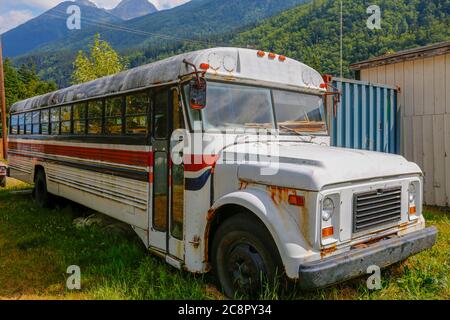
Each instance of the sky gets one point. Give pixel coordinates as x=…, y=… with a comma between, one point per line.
x=16, y=12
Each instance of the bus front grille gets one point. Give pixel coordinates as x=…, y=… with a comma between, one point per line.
x=376, y=208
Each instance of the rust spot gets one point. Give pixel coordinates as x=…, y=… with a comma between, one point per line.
x=210, y=214
x=209, y=217
x=195, y=242
x=328, y=251
x=304, y=219
x=243, y=185
x=278, y=194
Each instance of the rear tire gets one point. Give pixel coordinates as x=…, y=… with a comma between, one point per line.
x=245, y=259
x=40, y=192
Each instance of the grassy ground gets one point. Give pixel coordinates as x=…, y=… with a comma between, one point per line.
x=37, y=246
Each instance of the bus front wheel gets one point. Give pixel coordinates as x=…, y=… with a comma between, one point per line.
x=244, y=257
x=41, y=195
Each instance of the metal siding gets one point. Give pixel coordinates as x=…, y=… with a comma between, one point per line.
x=447, y=85
x=428, y=86
x=422, y=112
x=439, y=161
x=439, y=85
x=428, y=159
x=366, y=117
x=418, y=87
x=447, y=155
x=407, y=138
x=408, y=90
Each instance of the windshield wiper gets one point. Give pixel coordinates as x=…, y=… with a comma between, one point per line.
x=301, y=134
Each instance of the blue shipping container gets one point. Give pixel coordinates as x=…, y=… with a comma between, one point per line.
x=367, y=117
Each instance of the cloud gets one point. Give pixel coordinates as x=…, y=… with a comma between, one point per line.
x=38, y=4
x=106, y=4
x=167, y=4
x=14, y=18
x=20, y=11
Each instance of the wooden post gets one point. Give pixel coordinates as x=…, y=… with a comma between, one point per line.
x=3, y=105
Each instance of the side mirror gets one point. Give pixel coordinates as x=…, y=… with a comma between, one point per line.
x=198, y=93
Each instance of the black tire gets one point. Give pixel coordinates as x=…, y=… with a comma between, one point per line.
x=245, y=258
x=41, y=195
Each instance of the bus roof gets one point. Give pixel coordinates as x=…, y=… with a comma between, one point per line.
x=231, y=64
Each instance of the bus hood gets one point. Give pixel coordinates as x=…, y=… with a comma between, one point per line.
x=311, y=167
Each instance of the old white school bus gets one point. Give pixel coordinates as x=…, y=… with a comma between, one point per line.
x=317, y=215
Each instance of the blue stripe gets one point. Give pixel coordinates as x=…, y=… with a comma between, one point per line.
x=196, y=184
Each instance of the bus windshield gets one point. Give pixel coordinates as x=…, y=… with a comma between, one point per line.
x=233, y=106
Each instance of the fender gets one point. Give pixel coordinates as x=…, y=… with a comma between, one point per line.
x=282, y=226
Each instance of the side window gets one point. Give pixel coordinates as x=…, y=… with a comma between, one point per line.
x=54, y=120
x=178, y=119
x=66, y=114
x=28, y=123
x=95, y=117
x=161, y=114
x=79, y=118
x=136, y=113
x=14, y=123
x=35, y=122
x=160, y=192
x=21, y=123
x=45, y=116
x=177, y=216
x=113, y=116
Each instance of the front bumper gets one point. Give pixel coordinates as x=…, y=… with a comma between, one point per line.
x=354, y=263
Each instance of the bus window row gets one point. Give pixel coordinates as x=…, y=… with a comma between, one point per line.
x=120, y=115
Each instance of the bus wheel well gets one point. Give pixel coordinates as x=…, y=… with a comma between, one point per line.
x=219, y=216
x=37, y=169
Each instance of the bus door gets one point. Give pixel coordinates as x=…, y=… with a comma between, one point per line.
x=167, y=232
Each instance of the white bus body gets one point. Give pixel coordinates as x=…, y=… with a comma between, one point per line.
x=321, y=214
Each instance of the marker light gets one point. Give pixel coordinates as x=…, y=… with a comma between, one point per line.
x=327, y=232
x=327, y=78
x=296, y=200
x=204, y=66
x=272, y=55
x=282, y=58
x=323, y=86
x=261, y=54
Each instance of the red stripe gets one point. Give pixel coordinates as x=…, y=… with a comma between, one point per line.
x=133, y=158
x=194, y=163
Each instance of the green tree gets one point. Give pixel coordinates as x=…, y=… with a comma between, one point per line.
x=23, y=83
x=101, y=61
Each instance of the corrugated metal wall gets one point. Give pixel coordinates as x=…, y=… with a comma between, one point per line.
x=424, y=101
x=366, y=118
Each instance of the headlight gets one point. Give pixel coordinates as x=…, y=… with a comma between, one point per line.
x=327, y=209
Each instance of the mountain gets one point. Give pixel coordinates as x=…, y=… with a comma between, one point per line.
x=194, y=20
x=198, y=22
x=50, y=27
x=311, y=32
x=130, y=9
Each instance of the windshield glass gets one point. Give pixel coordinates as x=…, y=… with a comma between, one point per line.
x=232, y=106
x=298, y=111
x=240, y=106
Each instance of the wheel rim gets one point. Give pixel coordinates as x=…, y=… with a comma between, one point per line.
x=246, y=268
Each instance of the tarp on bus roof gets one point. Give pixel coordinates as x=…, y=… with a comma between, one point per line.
x=226, y=62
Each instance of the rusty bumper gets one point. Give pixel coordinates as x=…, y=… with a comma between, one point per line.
x=354, y=263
